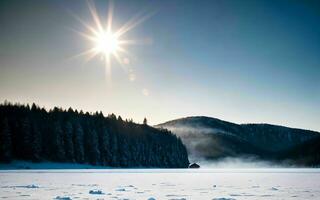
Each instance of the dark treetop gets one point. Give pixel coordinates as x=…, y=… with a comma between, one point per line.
x=35, y=134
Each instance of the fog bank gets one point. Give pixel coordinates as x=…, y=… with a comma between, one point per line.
x=248, y=162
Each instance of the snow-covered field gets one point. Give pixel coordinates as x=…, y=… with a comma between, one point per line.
x=164, y=184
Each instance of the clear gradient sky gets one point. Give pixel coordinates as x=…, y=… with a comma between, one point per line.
x=240, y=61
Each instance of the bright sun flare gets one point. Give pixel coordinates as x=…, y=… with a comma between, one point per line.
x=106, y=43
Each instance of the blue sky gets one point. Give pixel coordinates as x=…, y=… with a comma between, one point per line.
x=241, y=61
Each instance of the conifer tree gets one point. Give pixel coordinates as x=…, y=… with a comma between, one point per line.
x=57, y=143
x=78, y=143
x=106, y=156
x=93, y=153
x=145, y=122
x=36, y=145
x=68, y=141
x=26, y=139
x=5, y=141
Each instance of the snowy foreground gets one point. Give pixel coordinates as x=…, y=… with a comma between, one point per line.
x=160, y=184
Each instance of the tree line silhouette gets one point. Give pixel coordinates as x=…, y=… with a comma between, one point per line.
x=35, y=134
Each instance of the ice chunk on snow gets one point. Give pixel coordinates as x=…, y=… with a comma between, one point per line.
x=151, y=198
x=32, y=186
x=22, y=186
x=95, y=192
x=129, y=186
x=62, y=198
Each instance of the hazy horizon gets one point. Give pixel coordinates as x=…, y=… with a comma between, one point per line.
x=243, y=62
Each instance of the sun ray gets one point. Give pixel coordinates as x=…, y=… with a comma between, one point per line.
x=123, y=50
x=84, y=53
x=120, y=61
x=86, y=25
x=95, y=16
x=89, y=37
x=132, y=23
x=110, y=16
x=92, y=53
x=117, y=56
x=135, y=42
x=108, y=67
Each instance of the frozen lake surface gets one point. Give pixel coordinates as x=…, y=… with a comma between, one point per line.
x=156, y=184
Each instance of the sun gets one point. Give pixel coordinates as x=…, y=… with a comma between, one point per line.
x=106, y=43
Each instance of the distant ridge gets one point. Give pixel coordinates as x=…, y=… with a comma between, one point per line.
x=233, y=123
x=212, y=138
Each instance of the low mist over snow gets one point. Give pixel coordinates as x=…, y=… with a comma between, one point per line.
x=238, y=163
x=217, y=143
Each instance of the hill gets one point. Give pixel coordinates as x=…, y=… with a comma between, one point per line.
x=35, y=134
x=211, y=138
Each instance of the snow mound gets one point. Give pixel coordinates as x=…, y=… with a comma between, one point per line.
x=223, y=199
